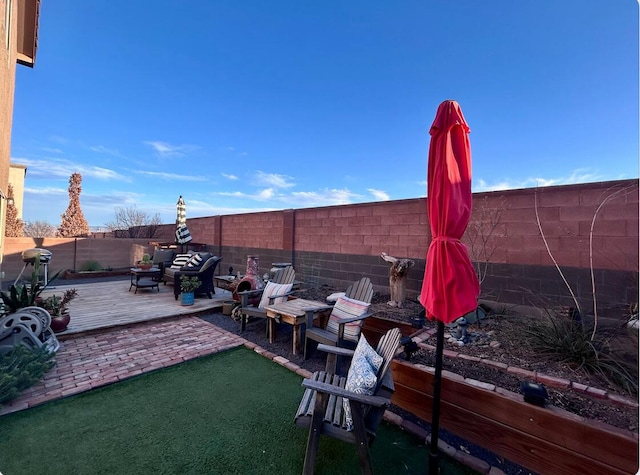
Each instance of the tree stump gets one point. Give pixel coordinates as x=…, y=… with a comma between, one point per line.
x=397, y=279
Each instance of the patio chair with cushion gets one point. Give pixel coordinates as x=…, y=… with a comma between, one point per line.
x=198, y=264
x=349, y=409
x=162, y=258
x=344, y=324
x=276, y=290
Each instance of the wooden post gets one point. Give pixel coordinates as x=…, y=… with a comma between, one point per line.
x=397, y=279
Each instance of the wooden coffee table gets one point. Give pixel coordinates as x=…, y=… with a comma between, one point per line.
x=291, y=312
x=141, y=279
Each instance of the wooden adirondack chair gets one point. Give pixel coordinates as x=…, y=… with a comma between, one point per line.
x=284, y=276
x=334, y=335
x=321, y=409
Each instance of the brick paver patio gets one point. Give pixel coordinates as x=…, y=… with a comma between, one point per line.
x=92, y=360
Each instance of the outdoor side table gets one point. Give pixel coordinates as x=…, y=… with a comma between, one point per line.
x=291, y=312
x=141, y=279
x=227, y=282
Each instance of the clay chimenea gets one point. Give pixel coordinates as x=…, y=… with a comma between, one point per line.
x=251, y=280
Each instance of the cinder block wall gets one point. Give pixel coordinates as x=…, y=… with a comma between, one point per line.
x=336, y=245
x=72, y=253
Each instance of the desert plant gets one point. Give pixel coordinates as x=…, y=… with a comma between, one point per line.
x=189, y=283
x=73, y=222
x=481, y=232
x=21, y=368
x=569, y=339
x=14, y=226
x=613, y=194
x=90, y=266
x=146, y=259
x=57, y=306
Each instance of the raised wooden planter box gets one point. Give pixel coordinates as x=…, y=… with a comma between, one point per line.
x=545, y=440
x=374, y=327
x=69, y=274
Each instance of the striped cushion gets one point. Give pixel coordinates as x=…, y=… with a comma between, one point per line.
x=180, y=260
x=347, y=308
x=273, y=289
x=194, y=261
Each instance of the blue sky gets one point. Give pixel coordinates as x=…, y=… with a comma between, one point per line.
x=254, y=105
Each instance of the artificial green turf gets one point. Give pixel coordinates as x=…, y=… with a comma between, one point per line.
x=229, y=413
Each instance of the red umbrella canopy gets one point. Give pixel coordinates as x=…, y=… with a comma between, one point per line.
x=450, y=287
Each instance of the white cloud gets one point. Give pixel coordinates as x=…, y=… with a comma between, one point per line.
x=171, y=176
x=580, y=175
x=165, y=149
x=379, y=194
x=64, y=169
x=51, y=150
x=324, y=197
x=234, y=194
x=266, y=194
x=229, y=176
x=45, y=191
x=273, y=179
x=262, y=195
x=105, y=150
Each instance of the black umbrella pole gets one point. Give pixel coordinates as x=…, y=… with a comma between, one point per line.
x=435, y=413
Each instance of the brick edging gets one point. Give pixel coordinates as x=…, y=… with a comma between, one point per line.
x=391, y=417
x=551, y=381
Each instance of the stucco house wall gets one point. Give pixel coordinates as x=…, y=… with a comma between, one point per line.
x=18, y=43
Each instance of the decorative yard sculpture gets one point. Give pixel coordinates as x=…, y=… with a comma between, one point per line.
x=397, y=279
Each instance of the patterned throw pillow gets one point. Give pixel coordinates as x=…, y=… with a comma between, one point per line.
x=362, y=377
x=273, y=289
x=347, y=308
x=194, y=262
x=180, y=260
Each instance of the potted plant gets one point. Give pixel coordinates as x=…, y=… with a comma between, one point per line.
x=146, y=263
x=188, y=286
x=58, y=308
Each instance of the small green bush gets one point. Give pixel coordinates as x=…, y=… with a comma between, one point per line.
x=90, y=266
x=567, y=339
x=20, y=369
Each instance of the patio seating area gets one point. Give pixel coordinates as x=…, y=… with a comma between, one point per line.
x=103, y=305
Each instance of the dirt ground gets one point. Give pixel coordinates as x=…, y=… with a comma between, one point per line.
x=502, y=338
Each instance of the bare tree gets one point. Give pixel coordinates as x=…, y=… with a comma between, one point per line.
x=73, y=222
x=39, y=229
x=481, y=233
x=14, y=226
x=134, y=223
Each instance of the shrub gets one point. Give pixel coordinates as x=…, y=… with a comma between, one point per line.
x=568, y=339
x=90, y=266
x=20, y=369
x=189, y=284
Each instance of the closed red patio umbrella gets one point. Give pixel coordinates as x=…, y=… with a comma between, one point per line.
x=450, y=287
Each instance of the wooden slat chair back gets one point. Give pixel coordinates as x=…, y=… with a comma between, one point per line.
x=360, y=290
x=285, y=275
x=321, y=408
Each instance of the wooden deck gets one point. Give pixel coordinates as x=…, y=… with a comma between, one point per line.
x=108, y=304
